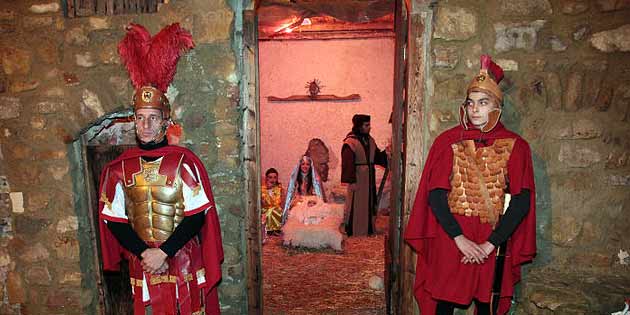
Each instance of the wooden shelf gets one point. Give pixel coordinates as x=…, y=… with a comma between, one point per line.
x=308, y=98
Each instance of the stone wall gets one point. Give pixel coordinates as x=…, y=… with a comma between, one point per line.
x=58, y=77
x=567, y=71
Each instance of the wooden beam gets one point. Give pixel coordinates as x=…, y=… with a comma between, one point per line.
x=415, y=144
x=393, y=294
x=251, y=164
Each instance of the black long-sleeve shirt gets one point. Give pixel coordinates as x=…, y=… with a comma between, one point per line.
x=129, y=239
x=516, y=211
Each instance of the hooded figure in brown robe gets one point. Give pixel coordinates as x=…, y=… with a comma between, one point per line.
x=359, y=154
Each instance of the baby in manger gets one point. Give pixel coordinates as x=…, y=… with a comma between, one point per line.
x=308, y=220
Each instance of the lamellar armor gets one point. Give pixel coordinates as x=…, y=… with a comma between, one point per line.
x=479, y=179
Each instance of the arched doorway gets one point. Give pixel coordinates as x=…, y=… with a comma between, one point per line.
x=96, y=145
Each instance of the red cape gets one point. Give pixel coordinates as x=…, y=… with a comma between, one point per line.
x=210, y=235
x=423, y=231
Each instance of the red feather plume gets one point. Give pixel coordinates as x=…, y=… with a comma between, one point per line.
x=153, y=60
x=493, y=68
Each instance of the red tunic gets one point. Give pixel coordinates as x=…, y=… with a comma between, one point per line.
x=210, y=234
x=439, y=273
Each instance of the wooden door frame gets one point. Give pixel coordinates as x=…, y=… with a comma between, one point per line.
x=409, y=143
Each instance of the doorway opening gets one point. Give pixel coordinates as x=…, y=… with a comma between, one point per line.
x=318, y=66
x=97, y=145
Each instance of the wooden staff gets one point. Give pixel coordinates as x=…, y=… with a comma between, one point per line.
x=495, y=295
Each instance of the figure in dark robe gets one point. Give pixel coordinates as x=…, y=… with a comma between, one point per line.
x=359, y=154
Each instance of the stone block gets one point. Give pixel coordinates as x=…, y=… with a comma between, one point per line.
x=35, y=253
x=553, y=87
x=592, y=85
x=5, y=188
x=85, y=60
x=616, y=40
x=231, y=255
x=557, y=44
x=58, y=172
x=613, y=5
x=618, y=180
x=586, y=129
x=19, y=86
x=566, y=230
x=4, y=81
x=36, y=22
x=120, y=85
x=231, y=290
x=452, y=89
x=455, y=23
x=76, y=36
x=213, y=26
x=71, y=278
x=573, y=7
x=593, y=260
x=67, y=248
x=573, y=93
x=552, y=299
x=17, y=202
x=604, y=98
x=617, y=159
x=32, y=222
x=517, y=35
x=581, y=32
x=51, y=7
x=50, y=107
x=38, y=275
x=576, y=129
x=578, y=156
x=5, y=259
x=445, y=57
x=50, y=155
x=38, y=122
x=60, y=300
x=15, y=60
x=70, y=79
x=8, y=21
x=15, y=288
x=91, y=104
x=507, y=64
x=11, y=107
x=525, y=7
x=233, y=271
x=67, y=224
x=48, y=51
x=99, y=23
x=109, y=54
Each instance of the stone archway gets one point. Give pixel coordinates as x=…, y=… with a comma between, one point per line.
x=97, y=144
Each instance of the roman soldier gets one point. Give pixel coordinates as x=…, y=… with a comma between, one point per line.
x=156, y=205
x=458, y=219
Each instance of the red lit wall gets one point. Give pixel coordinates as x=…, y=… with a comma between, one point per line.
x=348, y=66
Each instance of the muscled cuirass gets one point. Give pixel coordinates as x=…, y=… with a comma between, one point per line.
x=479, y=179
x=154, y=208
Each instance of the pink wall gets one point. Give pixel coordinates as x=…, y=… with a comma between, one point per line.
x=347, y=66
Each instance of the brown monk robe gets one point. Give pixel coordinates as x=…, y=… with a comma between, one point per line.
x=359, y=154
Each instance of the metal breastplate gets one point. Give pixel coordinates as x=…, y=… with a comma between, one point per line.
x=479, y=179
x=154, y=209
